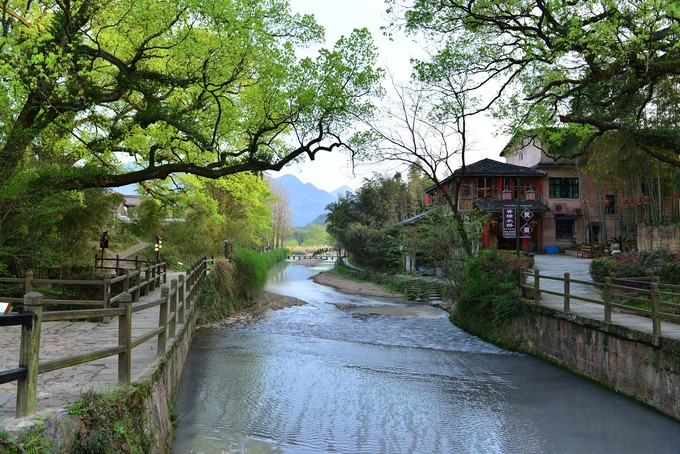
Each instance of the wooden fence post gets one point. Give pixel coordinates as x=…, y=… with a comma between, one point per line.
x=107, y=296
x=537, y=287
x=125, y=340
x=163, y=321
x=656, y=306
x=567, y=290
x=173, y=307
x=152, y=278
x=126, y=282
x=28, y=286
x=27, y=388
x=189, y=293
x=138, y=289
x=607, y=299
x=180, y=299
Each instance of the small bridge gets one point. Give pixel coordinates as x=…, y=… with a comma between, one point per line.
x=312, y=257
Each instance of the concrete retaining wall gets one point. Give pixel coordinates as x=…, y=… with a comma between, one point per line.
x=642, y=366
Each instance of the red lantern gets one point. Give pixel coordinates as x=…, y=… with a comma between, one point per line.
x=639, y=200
x=648, y=199
x=625, y=201
x=631, y=201
x=675, y=195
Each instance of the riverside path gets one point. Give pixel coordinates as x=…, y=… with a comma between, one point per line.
x=60, y=339
x=556, y=265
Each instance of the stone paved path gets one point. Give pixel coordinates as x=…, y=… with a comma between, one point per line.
x=61, y=339
x=557, y=264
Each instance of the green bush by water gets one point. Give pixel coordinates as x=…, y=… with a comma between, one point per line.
x=490, y=291
x=234, y=285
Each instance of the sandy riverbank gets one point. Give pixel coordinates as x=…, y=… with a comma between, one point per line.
x=343, y=284
x=269, y=301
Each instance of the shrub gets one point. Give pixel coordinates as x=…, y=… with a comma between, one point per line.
x=234, y=285
x=662, y=264
x=490, y=289
x=112, y=422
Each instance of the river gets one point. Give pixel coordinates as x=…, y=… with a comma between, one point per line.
x=356, y=374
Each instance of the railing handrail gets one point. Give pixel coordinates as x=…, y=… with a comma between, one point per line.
x=175, y=300
x=649, y=294
x=156, y=269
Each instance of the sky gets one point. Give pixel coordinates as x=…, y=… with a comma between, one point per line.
x=329, y=171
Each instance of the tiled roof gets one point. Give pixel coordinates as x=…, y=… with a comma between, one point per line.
x=555, y=164
x=490, y=167
x=414, y=218
x=496, y=206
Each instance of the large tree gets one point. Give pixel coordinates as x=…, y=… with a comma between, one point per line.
x=204, y=88
x=598, y=67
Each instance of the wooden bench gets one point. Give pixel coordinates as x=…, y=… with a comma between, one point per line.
x=585, y=252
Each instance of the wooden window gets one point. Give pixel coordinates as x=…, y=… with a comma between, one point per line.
x=563, y=188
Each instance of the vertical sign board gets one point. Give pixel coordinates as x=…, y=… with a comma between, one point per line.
x=509, y=223
x=526, y=230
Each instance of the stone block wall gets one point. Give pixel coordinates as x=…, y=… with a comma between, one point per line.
x=642, y=366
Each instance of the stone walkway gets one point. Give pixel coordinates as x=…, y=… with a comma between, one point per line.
x=556, y=265
x=61, y=339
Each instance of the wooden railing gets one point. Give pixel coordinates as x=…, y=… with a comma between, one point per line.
x=175, y=302
x=139, y=282
x=642, y=296
x=116, y=263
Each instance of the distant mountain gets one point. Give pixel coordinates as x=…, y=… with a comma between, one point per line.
x=341, y=192
x=306, y=201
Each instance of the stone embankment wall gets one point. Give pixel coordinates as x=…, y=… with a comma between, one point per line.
x=642, y=366
x=165, y=382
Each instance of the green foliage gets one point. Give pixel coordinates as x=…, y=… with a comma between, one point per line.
x=363, y=222
x=490, y=290
x=178, y=87
x=59, y=230
x=665, y=265
x=232, y=286
x=30, y=442
x=210, y=304
x=601, y=67
x=311, y=235
x=411, y=288
x=112, y=422
x=251, y=272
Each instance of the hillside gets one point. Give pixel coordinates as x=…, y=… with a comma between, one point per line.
x=306, y=201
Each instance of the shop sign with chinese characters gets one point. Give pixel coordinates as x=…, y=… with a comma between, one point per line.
x=509, y=223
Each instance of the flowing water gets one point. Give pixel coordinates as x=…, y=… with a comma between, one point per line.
x=355, y=374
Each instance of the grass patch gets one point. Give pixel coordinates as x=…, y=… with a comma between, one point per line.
x=113, y=422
